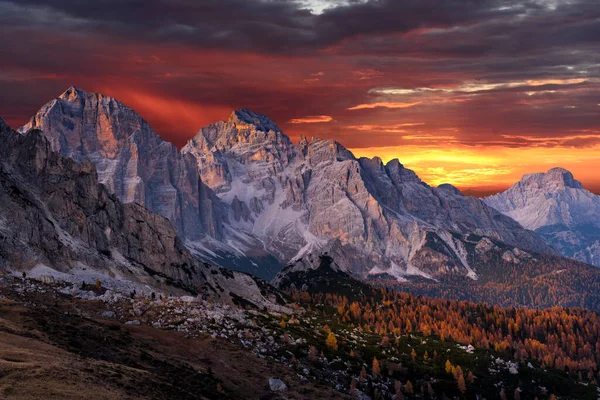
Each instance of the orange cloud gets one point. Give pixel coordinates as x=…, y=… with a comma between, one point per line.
x=312, y=119
x=386, y=128
x=385, y=104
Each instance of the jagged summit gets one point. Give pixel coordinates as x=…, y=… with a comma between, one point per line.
x=554, y=179
x=244, y=128
x=132, y=160
x=544, y=198
x=3, y=125
x=259, y=121
x=73, y=91
x=559, y=209
x=80, y=121
x=75, y=96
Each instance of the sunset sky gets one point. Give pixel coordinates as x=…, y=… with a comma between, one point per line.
x=474, y=93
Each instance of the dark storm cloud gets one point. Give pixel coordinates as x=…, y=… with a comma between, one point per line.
x=280, y=26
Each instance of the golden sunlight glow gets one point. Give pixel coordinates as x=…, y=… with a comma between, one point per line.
x=490, y=166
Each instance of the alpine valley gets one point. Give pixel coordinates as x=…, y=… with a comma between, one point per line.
x=247, y=266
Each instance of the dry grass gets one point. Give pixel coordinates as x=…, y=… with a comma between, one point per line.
x=47, y=354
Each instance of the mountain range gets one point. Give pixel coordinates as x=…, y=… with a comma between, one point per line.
x=558, y=208
x=92, y=191
x=242, y=195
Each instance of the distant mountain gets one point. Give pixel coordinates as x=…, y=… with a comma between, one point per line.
x=315, y=196
x=559, y=209
x=56, y=220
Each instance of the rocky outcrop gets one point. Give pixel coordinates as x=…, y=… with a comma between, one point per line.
x=132, y=161
x=55, y=214
x=559, y=209
x=316, y=196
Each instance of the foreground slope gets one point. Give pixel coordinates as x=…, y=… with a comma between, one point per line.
x=57, y=220
x=54, y=346
x=557, y=207
x=335, y=344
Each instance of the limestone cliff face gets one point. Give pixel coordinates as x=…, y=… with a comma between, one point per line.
x=316, y=196
x=559, y=209
x=55, y=213
x=131, y=159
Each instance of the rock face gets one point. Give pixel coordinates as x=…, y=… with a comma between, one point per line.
x=559, y=209
x=316, y=197
x=131, y=159
x=55, y=213
x=138, y=166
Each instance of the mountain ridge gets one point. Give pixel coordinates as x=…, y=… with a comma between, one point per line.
x=260, y=182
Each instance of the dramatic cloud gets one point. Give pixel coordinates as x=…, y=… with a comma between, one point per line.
x=384, y=104
x=312, y=119
x=502, y=87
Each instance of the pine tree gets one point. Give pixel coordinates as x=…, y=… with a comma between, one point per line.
x=376, y=369
x=408, y=388
x=460, y=380
x=449, y=367
x=470, y=377
x=331, y=341
x=363, y=374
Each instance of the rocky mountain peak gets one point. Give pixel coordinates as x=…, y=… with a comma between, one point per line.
x=72, y=93
x=318, y=150
x=132, y=160
x=559, y=209
x=260, y=122
x=448, y=188
x=243, y=130
x=553, y=180
x=78, y=123
x=3, y=125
